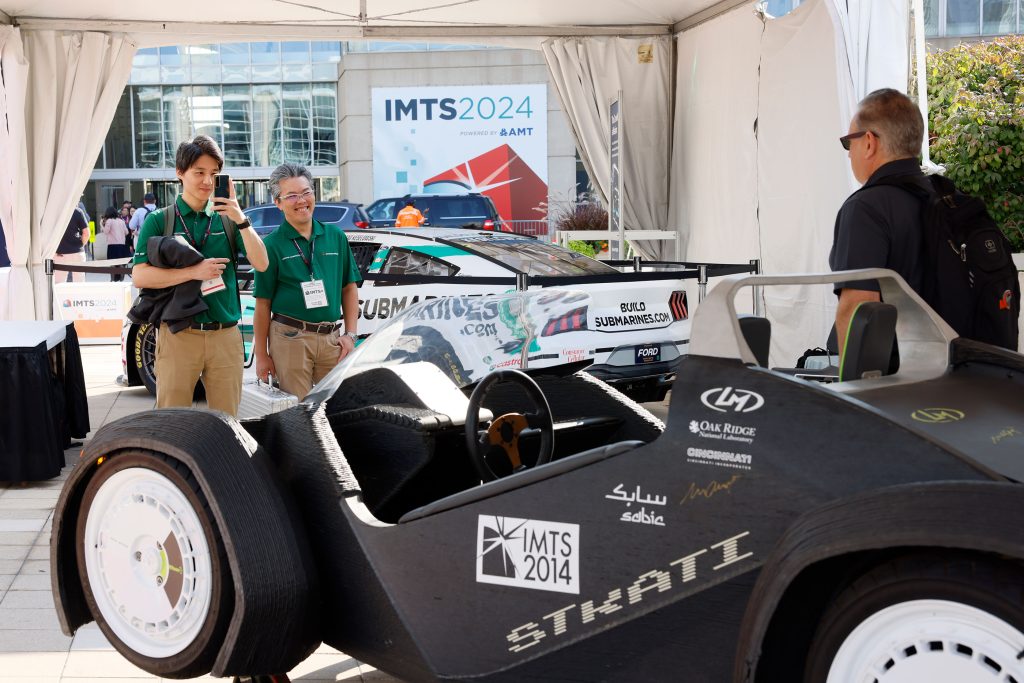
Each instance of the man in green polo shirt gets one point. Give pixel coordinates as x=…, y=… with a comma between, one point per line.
x=211, y=347
x=307, y=295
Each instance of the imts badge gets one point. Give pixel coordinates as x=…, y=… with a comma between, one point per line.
x=727, y=399
x=700, y=566
x=528, y=553
x=937, y=416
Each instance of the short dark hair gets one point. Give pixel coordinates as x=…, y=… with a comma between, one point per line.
x=895, y=118
x=409, y=202
x=111, y=212
x=189, y=152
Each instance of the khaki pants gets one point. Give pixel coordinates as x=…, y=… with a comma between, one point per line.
x=75, y=259
x=182, y=358
x=301, y=358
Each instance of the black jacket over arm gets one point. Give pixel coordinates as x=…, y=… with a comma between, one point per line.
x=172, y=305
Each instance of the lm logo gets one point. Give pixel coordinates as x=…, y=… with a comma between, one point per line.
x=938, y=416
x=725, y=399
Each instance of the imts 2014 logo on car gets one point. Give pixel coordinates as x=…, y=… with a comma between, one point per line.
x=528, y=553
x=726, y=399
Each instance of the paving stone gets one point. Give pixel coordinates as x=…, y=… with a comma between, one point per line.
x=336, y=667
x=33, y=641
x=18, y=537
x=11, y=566
x=16, y=502
x=14, y=552
x=31, y=667
x=31, y=619
x=37, y=582
x=34, y=567
x=12, y=524
x=21, y=515
x=82, y=664
x=5, y=581
x=40, y=551
x=90, y=637
x=27, y=600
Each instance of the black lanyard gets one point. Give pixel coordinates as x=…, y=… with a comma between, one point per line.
x=312, y=254
x=188, y=233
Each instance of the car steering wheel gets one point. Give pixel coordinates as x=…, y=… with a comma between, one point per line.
x=505, y=431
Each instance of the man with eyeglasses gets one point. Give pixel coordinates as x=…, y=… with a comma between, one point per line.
x=879, y=225
x=307, y=300
x=209, y=345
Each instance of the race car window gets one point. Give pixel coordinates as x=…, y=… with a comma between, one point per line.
x=405, y=262
x=534, y=257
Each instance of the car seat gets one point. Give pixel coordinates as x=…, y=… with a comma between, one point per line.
x=870, y=342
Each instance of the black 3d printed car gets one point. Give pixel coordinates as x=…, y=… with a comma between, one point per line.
x=776, y=528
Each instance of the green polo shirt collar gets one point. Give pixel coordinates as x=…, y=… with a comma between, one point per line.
x=288, y=232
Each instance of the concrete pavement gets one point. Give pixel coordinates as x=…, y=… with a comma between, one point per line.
x=32, y=647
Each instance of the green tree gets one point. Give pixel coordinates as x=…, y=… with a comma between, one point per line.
x=976, y=121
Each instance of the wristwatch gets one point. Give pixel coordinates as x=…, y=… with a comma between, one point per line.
x=353, y=336
x=244, y=224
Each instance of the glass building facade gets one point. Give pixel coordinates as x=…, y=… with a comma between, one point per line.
x=947, y=22
x=264, y=103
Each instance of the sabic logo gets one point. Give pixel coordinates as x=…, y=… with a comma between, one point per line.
x=725, y=399
x=937, y=416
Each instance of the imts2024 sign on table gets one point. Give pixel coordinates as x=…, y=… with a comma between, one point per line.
x=457, y=139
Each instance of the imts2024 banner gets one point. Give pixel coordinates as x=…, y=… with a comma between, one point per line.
x=457, y=139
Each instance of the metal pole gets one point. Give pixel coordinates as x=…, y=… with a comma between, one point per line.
x=702, y=282
x=522, y=282
x=637, y=267
x=755, y=266
x=48, y=269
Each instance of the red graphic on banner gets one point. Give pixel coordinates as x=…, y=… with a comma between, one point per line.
x=501, y=175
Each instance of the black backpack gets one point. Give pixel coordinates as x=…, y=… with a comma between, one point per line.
x=969, y=276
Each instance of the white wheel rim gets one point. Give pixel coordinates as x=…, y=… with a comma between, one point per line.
x=139, y=524
x=937, y=641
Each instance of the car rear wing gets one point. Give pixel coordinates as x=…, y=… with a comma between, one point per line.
x=924, y=337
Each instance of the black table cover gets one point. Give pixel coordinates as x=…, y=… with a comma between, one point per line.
x=43, y=407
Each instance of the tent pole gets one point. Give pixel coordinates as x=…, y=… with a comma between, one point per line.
x=920, y=59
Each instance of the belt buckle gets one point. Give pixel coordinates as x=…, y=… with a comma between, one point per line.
x=329, y=327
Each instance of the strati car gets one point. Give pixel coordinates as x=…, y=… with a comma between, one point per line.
x=775, y=529
x=633, y=327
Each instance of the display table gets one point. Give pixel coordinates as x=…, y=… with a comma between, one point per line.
x=43, y=404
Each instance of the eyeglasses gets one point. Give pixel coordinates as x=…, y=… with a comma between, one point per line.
x=845, y=140
x=292, y=198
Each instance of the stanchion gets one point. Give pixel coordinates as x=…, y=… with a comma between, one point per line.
x=637, y=266
x=522, y=282
x=48, y=269
x=755, y=267
x=702, y=282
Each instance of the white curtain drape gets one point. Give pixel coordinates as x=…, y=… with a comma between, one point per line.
x=587, y=73
x=14, y=205
x=75, y=80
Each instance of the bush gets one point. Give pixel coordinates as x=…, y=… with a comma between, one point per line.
x=976, y=120
x=582, y=213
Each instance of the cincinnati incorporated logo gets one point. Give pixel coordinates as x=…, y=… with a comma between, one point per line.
x=726, y=399
x=938, y=416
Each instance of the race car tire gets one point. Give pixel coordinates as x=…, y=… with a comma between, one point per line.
x=144, y=355
x=924, y=618
x=145, y=360
x=153, y=568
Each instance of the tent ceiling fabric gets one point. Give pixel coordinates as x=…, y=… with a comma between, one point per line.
x=373, y=18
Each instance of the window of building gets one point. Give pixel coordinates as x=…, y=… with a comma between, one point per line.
x=237, y=125
x=296, y=117
x=266, y=125
x=117, y=148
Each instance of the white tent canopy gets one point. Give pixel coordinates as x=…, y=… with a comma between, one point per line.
x=745, y=167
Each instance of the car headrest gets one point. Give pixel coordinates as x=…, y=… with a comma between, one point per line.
x=869, y=341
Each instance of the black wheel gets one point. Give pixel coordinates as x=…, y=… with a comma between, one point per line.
x=145, y=355
x=924, y=618
x=504, y=431
x=152, y=565
x=145, y=360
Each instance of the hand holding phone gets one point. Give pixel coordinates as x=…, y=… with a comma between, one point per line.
x=222, y=186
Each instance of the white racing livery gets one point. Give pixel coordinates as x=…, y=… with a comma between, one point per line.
x=631, y=327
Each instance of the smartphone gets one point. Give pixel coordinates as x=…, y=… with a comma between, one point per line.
x=222, y=185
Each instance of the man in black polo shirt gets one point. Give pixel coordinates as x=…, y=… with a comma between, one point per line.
x=879, y=226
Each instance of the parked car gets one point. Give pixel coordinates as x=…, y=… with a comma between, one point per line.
x=348, y=215
x=633, y=328
x=774, y=529
x=473, y=210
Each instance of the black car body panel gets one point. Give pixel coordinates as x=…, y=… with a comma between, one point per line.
x=642, y=548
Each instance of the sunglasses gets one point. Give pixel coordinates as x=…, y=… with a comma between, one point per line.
x=845, y=140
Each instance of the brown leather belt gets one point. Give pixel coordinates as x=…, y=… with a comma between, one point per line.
x=207, y=327
x=319, y=328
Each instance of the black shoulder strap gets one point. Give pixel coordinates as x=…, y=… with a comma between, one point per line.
x=231, y=232
x=168, y=222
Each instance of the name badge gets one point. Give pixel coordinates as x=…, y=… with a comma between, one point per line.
x=314, y=294
x=212, y=286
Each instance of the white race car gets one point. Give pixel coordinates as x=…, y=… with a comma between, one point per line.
x=632, y=327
